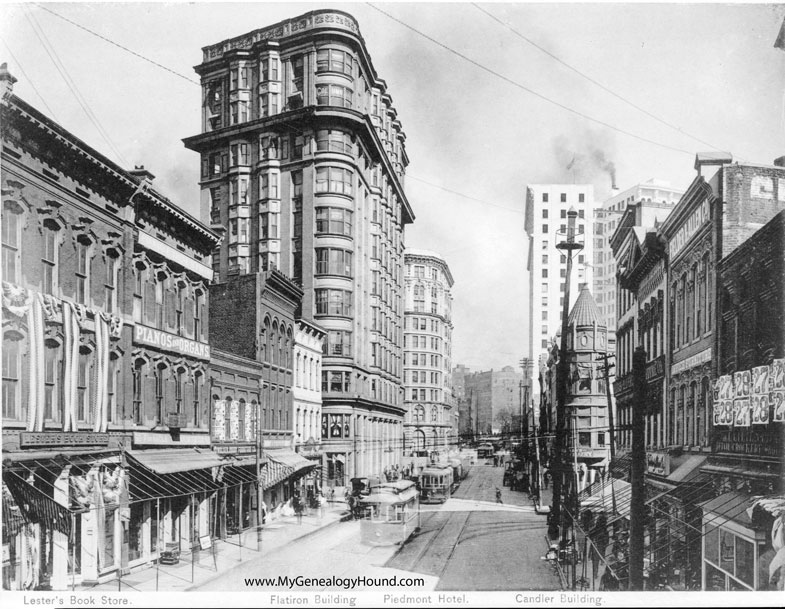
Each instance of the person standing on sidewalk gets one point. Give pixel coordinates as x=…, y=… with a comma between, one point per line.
x=322, y=501
x=298, y=508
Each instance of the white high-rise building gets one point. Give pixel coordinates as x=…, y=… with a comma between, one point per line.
x=656, y=196
x=546, y=225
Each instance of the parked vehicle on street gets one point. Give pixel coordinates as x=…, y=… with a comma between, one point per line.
x=390, y=513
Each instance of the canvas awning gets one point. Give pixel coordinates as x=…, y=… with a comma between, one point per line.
x=612, y=497
x=282, y=464
x=174, y=460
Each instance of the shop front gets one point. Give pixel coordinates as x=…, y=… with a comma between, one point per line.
x=282, y=471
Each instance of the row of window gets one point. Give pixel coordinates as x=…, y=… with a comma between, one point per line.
x=563, y=197
x=418, y=414
x=421, y=377
x=419, y=271
x=563, y=214
x=422, y=359
x=563, y=228
x=94, y=278
x=421, y=323
x=413, y=341
x=421, y=394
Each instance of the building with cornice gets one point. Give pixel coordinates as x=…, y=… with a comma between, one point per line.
x=302, y=164
x=427, y=341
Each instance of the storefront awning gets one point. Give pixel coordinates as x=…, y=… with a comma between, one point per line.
x=612, y=497
x=731, y=505
x=282, y=464
x=34, y=506
x=686, y=470
x=173, y=460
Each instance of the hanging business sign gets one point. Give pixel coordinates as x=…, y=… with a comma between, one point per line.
x=751, y=397
x=62, y=438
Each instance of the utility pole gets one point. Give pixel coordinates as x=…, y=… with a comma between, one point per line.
x=259, y=486
x=611, y=432
x=562, y=374
x=638, y=469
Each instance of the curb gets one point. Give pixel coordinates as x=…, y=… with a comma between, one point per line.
x=343, y=518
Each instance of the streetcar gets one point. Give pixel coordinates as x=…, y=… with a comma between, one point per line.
x=390, y=513
x=436, y=484
x=457, y=472
x=485, y=451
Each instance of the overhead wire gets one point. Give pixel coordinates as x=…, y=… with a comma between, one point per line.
x=595, y=82
x=63, y=71
x=28, y=79
x=528, y=89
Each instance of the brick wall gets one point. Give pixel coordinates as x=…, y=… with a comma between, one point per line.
x=233, y=325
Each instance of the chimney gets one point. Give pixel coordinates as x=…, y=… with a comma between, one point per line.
x=7, y=81
x=779, y=161
x=140, y=172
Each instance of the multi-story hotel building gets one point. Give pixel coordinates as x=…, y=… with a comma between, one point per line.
x=546, y=226
x=427, y=341
x=303, y=158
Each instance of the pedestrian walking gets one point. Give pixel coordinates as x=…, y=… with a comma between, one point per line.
x=546, y=479
x=298, y=508
x=498, y=495
x=322, y=501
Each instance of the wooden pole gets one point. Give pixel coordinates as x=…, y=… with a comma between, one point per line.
x=637, y=470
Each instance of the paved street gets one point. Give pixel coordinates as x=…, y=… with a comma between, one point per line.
x=473, y=543
x=469, y=543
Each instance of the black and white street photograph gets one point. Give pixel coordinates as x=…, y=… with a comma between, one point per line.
x=392, y=304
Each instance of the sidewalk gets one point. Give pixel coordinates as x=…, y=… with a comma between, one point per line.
x=224, y=555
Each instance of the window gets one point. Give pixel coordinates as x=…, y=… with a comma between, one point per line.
x=51, y=380
x=545, y=273
x=563, y=197
x=581, y=213
x=268, y=104
x=335, y=180
x=333, y=302
x=268, y=185
x=160, y=393
x=563, y=213
x=581, y=199
x=333, y=60
x=268, y=69
x=11, y=231
x=334, y=95
x=238, y=155
x=82, y=392
x=333, y=262
x=335, y=382
x=333, y=140
x=11, y=390
x=339, y=342
x=110, y=282
x=269, y=227
x=544, y=214
x=49, y=259
x=545, y=245
x=178, y=391
x=137, y=389
x=545, y=197
x=544, y=228
x=333, y=220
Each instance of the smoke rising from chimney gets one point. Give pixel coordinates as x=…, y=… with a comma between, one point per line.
x=585, y=158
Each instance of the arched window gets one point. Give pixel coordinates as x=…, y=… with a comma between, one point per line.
x=418, y=415
x=196, y=406
x=434, y=414
x=160, y=392
x=274, y=344
x=12, y=390
x=242, y=413
x=228, y=400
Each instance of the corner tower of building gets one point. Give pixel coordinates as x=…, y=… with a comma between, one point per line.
x=302, y=165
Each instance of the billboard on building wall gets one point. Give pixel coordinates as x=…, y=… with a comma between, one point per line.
x=751, y=397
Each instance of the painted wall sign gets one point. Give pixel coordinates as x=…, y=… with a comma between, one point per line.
x=697, y=219
x=62, y=438
x=170, y=342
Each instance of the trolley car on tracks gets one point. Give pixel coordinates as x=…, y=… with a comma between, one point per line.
x=389, y=513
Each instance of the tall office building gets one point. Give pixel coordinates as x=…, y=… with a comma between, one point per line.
x=656, y=198
x=303, y=159
x=427, y=341
x=546, y=225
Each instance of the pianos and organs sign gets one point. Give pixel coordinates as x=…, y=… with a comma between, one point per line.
x=751, y=397
x=170, y=342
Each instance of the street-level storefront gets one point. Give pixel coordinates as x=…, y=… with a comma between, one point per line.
x=64, y=520
x=280, y=478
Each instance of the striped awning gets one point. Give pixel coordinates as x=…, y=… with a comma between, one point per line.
x=34, y=506
x=282, y=464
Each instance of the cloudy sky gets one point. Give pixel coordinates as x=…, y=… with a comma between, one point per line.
x=492, y=97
